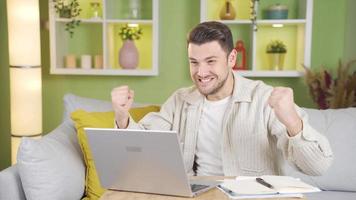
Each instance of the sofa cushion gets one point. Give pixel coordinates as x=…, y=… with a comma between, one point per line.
x=340, y=128
x=50, y=169
x=73, y=103
x=331, y=195
x=83, y=119
x=10, y=184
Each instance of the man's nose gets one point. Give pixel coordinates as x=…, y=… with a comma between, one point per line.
x=203, y=70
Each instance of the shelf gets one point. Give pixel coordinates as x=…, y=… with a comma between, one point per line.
x=100, y=37
x=243, y=32
x=265, y=21
x=249, y=73
x=130, y=21
x=112, y=72
x=295, y=32
x=87, y=9
x=296, y=8
x=292, y=37
x=281, y=21
x=120, y=9
x=80, y=44
x=241, y=21
x=81, y=20
x=210, y=10
x=144, y=46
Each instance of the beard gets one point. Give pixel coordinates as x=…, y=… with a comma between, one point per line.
x=215, y=88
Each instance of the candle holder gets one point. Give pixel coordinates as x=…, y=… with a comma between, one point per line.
x=134, y=9
x=95, y=10
x=85, y=61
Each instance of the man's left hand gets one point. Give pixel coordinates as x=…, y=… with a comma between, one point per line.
x=281, y=100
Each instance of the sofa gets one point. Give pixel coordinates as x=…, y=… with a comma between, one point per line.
x=57, y=158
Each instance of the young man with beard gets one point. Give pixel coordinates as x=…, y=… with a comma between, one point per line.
x=230, y=125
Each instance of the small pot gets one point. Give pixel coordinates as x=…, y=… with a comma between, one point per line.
x=276, y=60
x=276, y=11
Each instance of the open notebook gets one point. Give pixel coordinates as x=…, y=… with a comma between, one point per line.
x=283, y=186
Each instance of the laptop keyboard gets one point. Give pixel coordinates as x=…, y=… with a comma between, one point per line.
x=197, y=187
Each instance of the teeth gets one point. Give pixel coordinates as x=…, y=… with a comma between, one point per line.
x=205, y=80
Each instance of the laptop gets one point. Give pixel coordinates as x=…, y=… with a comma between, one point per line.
x=142, y=161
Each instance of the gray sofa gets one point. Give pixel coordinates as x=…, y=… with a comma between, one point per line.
x=338, y=183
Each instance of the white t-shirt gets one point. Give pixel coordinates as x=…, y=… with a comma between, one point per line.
x=208, y=154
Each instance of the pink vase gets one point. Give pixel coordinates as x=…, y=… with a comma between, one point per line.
x=128, y=55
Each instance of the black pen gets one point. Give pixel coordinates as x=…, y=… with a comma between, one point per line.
x=264, y=183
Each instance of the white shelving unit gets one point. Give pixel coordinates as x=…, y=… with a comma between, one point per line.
x=100, y=37
x=298, y=27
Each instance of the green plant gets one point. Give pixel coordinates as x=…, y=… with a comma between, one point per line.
x=276, y=46
x=130, y=32
x=68, y=9
x=328, y=92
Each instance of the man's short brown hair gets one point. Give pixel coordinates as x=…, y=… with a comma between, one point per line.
x=212, y=31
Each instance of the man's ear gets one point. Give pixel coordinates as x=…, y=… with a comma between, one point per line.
x=232, y=58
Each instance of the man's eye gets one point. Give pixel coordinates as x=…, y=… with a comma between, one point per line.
x=211, y=61
x=193, y=63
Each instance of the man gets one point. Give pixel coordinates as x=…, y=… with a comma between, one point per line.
x=229, y=125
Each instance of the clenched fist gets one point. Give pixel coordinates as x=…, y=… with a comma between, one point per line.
x=281, y=100
x=122, y=98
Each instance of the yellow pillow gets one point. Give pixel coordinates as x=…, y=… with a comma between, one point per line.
x=139, y=112
x=82, y=119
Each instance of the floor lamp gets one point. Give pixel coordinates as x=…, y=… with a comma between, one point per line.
x=25, y=71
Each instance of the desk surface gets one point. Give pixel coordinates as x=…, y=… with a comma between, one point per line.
x=213, y=194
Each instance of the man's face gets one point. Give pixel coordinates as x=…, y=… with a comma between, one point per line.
x=210, y=67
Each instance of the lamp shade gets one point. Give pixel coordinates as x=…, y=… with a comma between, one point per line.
x=25, y=71
x=25, y=101
x=24, y=32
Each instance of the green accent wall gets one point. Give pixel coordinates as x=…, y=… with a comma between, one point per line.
x=328, y=32
x=5, y=153
x=350, y=33
x=176, y=19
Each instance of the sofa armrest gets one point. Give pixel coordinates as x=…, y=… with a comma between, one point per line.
x=10, y=184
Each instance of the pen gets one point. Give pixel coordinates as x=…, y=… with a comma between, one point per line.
x=263, y=182
x=230, y=192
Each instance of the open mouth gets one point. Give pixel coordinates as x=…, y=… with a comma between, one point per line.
x=205, y=81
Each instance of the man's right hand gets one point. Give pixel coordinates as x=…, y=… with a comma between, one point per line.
x=122, y=98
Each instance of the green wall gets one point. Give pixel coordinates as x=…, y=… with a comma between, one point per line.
x=328, y=32
x=176, y=19
x=5, y=153
x=350, y=33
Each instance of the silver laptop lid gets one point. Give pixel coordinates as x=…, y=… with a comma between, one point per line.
x=139, y=160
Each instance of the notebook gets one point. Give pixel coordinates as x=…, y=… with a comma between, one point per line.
x=283, y=186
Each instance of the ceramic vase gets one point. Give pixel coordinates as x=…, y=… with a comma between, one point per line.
x=276, y=60
x=227, y=12
x=128, y=55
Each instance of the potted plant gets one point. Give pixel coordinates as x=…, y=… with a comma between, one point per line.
x=276, y=51
x=128, y=54
x=68, y=9
x=333, y=92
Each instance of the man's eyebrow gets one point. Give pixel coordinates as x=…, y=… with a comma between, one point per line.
x=210, y=57
x=207, y=58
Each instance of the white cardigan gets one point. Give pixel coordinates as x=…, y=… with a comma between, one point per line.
x=254, y=141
